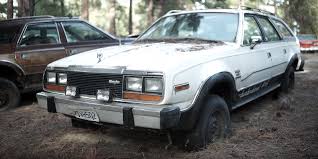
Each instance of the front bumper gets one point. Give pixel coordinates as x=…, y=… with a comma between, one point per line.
x=126, y=114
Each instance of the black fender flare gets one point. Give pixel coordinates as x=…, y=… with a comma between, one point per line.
x=190, y=117
x=13, y=66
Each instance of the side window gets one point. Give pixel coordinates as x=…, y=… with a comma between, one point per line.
x=38, y=34
x=270, y=32
x=282, y=29
x=79, y=31
x=7, y=34
x=250, y=29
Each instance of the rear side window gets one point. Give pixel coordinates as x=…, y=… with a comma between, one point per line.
x=269, y=30
x=282, y=29
x=38, y=34
x=7, y=35
x=79, y=31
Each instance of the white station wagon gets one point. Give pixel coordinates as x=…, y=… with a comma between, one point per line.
x=183, y=75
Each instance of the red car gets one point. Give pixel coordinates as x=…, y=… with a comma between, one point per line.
x=308, y=42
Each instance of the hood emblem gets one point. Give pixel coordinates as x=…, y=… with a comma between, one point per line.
x=99, y=57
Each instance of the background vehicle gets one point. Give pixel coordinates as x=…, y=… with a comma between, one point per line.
x=308, y=43
x=28, y=44
x=184, y=74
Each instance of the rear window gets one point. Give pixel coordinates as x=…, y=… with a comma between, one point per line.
x=7, y=35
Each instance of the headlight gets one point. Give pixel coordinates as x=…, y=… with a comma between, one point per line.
x=62, y=78
x=51, y=77
x=153, y=85
x=134, y=84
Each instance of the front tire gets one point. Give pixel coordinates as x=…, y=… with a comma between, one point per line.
x=214, y=124
x=9, y=95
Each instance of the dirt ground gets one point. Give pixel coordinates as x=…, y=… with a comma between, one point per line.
x=265, y=128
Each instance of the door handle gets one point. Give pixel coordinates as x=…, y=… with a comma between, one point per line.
x=269, y=55
x=72, y=52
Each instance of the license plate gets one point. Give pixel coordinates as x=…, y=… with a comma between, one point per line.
x=86, y=115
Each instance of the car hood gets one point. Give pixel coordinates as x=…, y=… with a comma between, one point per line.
x=158, y=57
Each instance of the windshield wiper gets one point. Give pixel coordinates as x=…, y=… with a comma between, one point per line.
x=176, y=40
x=197, y=40
x=149, y=40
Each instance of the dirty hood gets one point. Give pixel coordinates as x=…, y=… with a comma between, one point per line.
x=146, y=57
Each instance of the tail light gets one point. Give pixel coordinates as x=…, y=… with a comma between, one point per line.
x=306, y=44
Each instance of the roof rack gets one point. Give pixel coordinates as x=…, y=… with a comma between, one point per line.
x=29, y=17
x=257, y=10
x=173, y=11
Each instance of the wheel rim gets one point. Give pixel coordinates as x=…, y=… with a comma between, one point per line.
x=4, y=98
x=214, y=128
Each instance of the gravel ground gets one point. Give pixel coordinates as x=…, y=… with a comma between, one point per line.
x=265, y=128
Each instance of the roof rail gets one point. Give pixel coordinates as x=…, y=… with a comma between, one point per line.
x=36, y=17
x=173, y=11
x=257, y=10
x=28, y=17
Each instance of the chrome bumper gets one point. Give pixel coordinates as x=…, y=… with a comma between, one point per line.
x=126, y=114
x=309, y=49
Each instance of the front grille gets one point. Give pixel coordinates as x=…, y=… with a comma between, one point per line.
x=88, y=83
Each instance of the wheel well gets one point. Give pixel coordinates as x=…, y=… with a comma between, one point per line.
x=10, y=74
x=225, y=90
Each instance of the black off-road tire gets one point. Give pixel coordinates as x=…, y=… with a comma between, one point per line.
x=288, y=81
x=9, y=95
x=214, y=124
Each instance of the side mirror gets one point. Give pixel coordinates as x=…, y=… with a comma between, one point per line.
x=254, y=40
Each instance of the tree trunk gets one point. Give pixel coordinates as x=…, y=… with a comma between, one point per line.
x=10, y=9
x=85, y=9
x=130, y=27
x=150, y=11
x=32, y=7
x=62, y=7
x=23, y=8
x=112, y=16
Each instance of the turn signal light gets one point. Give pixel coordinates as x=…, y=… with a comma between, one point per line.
x=56, y=88
x=141, y=97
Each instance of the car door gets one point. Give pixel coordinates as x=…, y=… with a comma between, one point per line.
x=289, y=42
x=80, y=36
x=38, y=46
x=255, y=63
x=274, y=45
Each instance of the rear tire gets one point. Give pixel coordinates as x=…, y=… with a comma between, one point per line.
x=214, y=124
x=288, y=81
x=9, y=95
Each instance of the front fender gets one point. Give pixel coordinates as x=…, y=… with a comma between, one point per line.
x=190, y=116
x=13, y=66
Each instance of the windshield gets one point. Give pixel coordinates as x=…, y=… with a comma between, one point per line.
x=206, y=26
